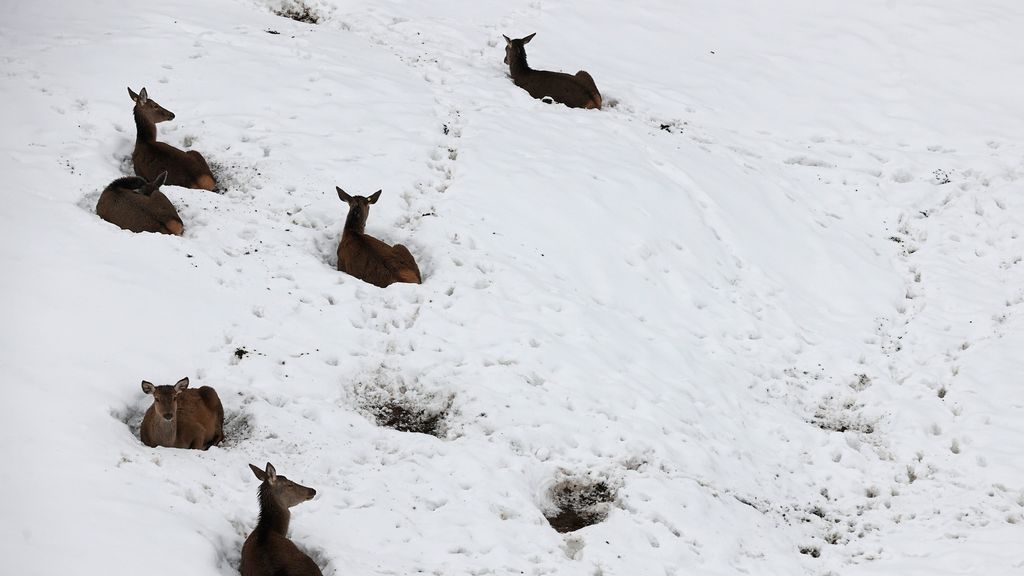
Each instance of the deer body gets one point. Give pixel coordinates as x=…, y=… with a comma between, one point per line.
x=574, y=90
x=366, y=257
x=182, y=417
x=268, y=551
x=139, y=206
x=150, y=157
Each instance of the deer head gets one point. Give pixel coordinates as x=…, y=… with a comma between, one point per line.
x=165, y=398
x=514, y=50
x=148, y=188
x=284, y=492
x=149, y=108
x=358, y=208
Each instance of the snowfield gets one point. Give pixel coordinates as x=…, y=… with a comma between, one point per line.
x=762, y=314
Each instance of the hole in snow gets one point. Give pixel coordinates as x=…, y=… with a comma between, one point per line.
x=812, y=551
x=238, y=424
x=392, y=403
x=579, y=502
x=125, y=164
x=298, y=11
x=238, y=427
x=88, y=201
x=131, y=415
x=409, y=418
x=835, y=415
x=234, y=177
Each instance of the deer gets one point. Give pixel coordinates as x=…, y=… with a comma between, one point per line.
x=139, y=206
x=366, y=257
x=575, y=91
x=150, y=157
x=182, y=417
x=268, y=551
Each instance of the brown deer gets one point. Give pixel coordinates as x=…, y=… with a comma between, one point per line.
x=268, y=551
x=187, y=169
x=182, y=417
x=367, y=258
x=575, y=91
x=139, y=206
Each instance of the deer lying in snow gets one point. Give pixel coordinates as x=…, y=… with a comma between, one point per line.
x=268, y=551
x=366, y=257
x=182, y=417
x=575, y=91
x=187, y=169
x=139, y=206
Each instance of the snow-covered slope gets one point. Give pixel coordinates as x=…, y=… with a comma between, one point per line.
x=765, y=303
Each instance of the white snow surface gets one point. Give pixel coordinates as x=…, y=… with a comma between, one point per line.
x=770, y=296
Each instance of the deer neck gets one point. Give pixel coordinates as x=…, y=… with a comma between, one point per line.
x=145, y=128
x=356, y=221
x=273, y=516
x=165, y=431
x=517, y=65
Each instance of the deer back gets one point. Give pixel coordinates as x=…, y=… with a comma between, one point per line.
x=272, y=554
x=123, y=204
x=215, y=414
x=374, y=261
x=577, y=91
x=405, y=265
x=200, y=418
x=185, y=169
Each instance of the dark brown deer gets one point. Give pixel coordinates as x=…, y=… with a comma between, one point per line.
x=139, y=206
x=187, y=169
x=367, y=258
x=182, y=417
x=575, y=91
x=268, y=551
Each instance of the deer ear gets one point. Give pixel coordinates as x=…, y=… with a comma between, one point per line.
x=143, y=96
x=134, y=96
x=181, y=385
x=373, y=197
x=525, y=41
x=507, y=41
x=260, y=475
x=271, y=473
x=147, y=387
x=343, y=195
x=158, y=182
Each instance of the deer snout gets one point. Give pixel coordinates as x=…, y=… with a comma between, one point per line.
x=168, y=415
x=311, y=495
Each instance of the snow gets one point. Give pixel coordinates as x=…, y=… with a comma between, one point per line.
x=769, y=296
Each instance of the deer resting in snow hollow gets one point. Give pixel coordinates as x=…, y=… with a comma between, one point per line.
x=182, y=417
x=575, y=91
x=139, y=206
x=187, y=169
x=367, y=258
x=268, y=551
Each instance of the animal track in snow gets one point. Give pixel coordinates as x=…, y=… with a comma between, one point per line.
x=964, y=225
x=808, y=161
